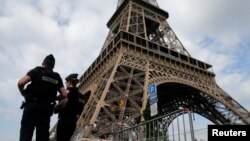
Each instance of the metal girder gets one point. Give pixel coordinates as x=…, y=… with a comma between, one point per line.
x=141, y=49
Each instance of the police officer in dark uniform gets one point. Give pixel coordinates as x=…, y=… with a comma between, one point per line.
x=40, y=96
x=68, y=115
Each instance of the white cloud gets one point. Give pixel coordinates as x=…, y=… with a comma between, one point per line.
x=224, y=24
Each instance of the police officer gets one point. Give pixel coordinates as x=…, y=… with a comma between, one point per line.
x=40, y=95
x=68, y=115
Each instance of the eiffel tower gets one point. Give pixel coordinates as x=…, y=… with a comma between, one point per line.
x=141, y=49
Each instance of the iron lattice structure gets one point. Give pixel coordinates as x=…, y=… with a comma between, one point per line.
x=142, y=49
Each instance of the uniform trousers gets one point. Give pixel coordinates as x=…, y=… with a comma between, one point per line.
x=65, y=128
x=36, y=115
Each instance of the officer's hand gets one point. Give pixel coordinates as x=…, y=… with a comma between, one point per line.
x=59, y=98
x=25, y=93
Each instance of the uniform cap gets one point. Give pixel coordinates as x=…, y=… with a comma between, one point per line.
x=73, y=75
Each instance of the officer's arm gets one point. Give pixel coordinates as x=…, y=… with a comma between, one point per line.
x=22, y=82
x=63, y=100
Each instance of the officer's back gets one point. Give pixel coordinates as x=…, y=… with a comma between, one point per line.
x=40, y=96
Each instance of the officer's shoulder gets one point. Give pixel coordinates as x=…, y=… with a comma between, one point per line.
x=36, y=69
x=56, y=73
x=80, y=96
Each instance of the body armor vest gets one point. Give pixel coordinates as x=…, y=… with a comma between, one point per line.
x=45, y=85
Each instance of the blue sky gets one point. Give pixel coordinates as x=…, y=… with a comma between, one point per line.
x=214, y=31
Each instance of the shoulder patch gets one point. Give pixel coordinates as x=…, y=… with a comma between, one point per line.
x=57, y=74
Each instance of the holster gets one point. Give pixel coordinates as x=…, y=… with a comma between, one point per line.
x=23, y=104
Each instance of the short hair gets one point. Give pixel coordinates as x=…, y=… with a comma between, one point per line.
x=49, y=61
